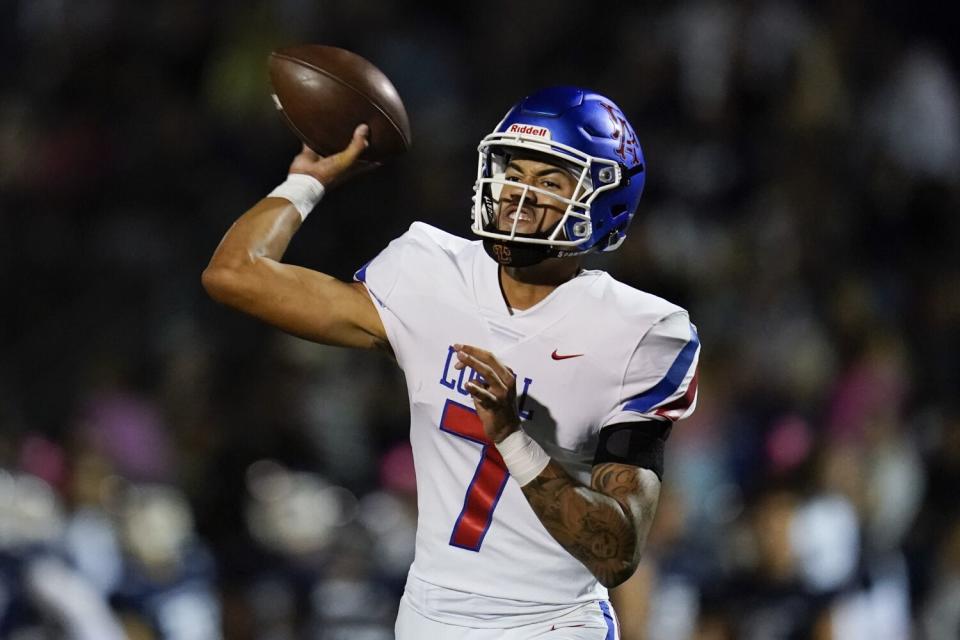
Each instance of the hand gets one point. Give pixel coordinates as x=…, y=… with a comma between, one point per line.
x=494, y=395
x=334, y=169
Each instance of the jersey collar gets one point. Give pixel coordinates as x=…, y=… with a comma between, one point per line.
x=493, y=307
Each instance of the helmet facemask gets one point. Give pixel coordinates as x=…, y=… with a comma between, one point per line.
x=575, y=227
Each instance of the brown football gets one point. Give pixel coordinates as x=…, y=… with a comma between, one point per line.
x=325, y=92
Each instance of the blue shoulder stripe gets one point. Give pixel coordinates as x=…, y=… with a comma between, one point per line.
x=361, y=274
x=670, y=382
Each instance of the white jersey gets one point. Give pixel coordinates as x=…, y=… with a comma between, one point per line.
x=593, y=353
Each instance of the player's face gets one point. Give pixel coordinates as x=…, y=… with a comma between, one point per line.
x=539, y=212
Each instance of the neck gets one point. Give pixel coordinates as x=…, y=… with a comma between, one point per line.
x=523, y=287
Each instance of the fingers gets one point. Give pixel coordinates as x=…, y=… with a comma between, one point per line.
x=484, y=396
x=362, y=132
x=485, y=363
x=359, y=142
x=347, y=162
x=492, y=386
x=333, y=169
x=484, y=369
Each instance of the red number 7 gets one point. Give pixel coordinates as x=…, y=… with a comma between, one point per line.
x=488, y=482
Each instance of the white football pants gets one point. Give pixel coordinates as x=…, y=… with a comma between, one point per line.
x=592, y=621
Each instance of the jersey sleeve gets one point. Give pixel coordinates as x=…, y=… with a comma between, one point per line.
x=660, y=381
x=394, y=279
x=381, y=274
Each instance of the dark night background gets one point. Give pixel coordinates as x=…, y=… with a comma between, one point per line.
x=199, y=475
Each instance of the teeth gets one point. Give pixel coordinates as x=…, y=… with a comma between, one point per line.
x=524, y=217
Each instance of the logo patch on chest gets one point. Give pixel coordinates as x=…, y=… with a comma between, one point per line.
x=557, y=356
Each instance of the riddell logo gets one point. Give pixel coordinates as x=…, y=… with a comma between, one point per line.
x=530, y=130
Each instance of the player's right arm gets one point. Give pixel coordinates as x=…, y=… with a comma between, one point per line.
x=246, y=273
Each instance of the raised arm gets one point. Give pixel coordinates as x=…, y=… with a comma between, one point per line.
x=245, y=271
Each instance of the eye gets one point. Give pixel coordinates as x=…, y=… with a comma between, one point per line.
x=550, y=184
x=512, y=178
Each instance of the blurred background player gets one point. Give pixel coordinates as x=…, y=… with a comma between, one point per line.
x=520, y=530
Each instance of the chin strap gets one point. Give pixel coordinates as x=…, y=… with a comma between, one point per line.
x=516, y=254
x=522, y=254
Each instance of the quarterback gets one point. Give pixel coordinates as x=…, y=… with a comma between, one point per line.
x=541, y=393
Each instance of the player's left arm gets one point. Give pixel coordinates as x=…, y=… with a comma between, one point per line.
x=604, y=525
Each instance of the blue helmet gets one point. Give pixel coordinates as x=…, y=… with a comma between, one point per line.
x=588, y=135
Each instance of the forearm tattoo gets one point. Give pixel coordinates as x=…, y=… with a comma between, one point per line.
x=604, y=526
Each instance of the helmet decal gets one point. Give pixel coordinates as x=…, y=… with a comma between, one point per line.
x=529, y=129
x=624, y=133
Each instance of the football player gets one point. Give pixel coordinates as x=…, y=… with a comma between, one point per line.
x=541, y=393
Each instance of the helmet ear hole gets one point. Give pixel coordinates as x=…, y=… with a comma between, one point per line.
x=615, y=234
x=614, y=240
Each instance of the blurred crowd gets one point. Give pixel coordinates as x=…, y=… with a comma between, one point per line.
x=170, y=470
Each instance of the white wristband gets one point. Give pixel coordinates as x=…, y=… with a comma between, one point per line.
x=303, y=191
x=525, y=459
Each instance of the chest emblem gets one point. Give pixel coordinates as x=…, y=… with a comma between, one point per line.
x=557, y=356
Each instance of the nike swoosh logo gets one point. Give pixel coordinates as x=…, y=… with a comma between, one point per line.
x=557, y=356
x=553, y=627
